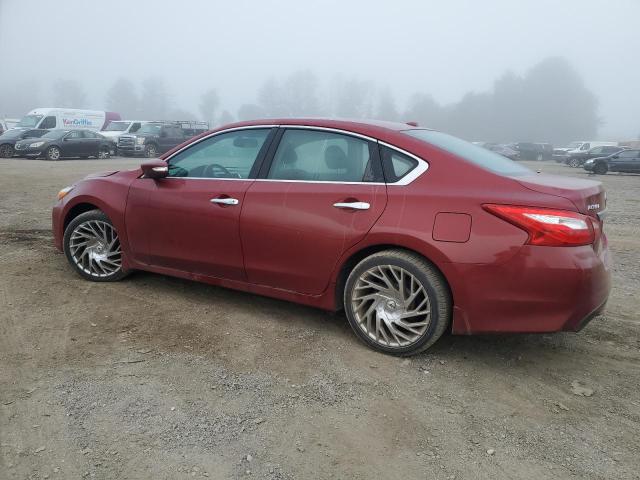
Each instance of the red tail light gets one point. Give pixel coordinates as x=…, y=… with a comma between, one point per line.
x=546, y=226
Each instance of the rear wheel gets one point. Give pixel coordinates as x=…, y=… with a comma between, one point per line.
x=92, y=247
x=6, y=151
x=574, y=162
x=539, y=157
x=53, y=153
x=104, y=153
x=600, y=168
x=397, y=302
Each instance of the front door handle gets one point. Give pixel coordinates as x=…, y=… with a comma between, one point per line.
x=225, y=201
x=353, y=205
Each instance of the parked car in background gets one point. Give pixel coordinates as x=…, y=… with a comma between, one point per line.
x=582, y=146
x=122, y=127
x=534, y=151
x=155, y=138
x=627, y=161
x=61, y=118
x=504, y=150
x=577, y=158
x=9, y=138
x=362, y=216
x=63, y=143
x=7, y=124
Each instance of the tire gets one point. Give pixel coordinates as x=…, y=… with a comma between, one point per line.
x=6, y=151
x=574, y=162
x=104, y=153
x=600, y=168
x=92, y=247
x=53, y=153
x=151, y=151
x=421, y=279
x=539, y=158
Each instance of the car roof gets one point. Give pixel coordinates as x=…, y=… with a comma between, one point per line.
x=363, y=127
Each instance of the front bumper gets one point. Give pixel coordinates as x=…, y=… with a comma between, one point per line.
x=539, y=289
x=131, y=151
x=28, y=152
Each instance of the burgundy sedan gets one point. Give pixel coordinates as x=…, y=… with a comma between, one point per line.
x=411, y=231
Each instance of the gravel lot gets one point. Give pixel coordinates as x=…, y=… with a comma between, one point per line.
x=161, y=378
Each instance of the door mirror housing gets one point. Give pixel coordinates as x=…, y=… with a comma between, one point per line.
x=155, y=169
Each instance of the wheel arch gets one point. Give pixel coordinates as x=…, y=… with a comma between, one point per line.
x=76, y=210
x=355, y=257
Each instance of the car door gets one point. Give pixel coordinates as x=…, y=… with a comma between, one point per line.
x=72, y=144
x=189, y=221
x=91, y=143
x=319, y=195
x=627, y=161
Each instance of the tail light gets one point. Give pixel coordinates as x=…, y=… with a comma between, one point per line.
x=546, y=226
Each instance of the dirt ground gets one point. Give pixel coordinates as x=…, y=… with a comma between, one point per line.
x=160, y=378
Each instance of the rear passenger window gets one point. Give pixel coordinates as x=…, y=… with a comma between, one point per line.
x=322, y=156
x=396, y=165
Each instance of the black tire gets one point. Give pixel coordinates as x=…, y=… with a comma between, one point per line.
x=431, y=280
x=51, y=154
x=83, y=218
x=151, y=151
x=600, y=168
x=574, y=162
x=539, y=157
x=6, y=151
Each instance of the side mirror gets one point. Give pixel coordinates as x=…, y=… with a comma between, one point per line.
x=616, y=156
x=155, y=169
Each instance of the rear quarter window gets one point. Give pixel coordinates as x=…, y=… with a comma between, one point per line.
x=468, y=151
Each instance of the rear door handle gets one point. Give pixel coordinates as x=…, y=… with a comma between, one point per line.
x=225, y=201
x=353, y=205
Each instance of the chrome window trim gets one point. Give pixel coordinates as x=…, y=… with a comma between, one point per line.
x=213, y=134
x=422, y=166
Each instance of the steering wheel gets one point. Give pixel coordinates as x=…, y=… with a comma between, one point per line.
x=210, y=171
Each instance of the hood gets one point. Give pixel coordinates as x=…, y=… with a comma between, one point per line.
x=587, y=195
x=112, y=134
x=101, y=174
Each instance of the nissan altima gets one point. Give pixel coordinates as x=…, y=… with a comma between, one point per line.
x=412, y=232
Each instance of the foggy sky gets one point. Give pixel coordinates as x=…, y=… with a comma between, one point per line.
x=442, y=48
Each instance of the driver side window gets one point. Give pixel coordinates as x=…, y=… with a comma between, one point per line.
x=228, y=155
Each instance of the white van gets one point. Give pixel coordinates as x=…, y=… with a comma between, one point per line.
x=50, y=118
x=583, y=146
x=122, y=127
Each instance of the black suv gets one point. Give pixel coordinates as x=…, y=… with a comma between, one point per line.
x=156, y=138
x=534, y=151
x=577, y=159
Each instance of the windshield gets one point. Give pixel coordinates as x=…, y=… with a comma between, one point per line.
x=117, y=127
x=152, y=128
x=54, y=133
x=468, y=151
x=29, y=121
x=12, y=134
x=574, y=145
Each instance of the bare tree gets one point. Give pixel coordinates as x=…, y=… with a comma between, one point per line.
x=68, y=93
x=209, y=102
x=122, y=98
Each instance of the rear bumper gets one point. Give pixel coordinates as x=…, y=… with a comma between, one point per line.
x=540, y=289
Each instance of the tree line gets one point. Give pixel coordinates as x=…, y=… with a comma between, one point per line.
x=549, y=103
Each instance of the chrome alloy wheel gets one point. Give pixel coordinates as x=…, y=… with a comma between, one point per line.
x=53, y=153
x=95, y=248
x=391, y=306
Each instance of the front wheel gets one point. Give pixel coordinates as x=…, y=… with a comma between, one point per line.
x=600, y=168
x=397, y=302
x=53, y=153
x=6, y=151
x=92, y=247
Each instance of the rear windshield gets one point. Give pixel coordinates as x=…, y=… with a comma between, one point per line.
x=468, y=151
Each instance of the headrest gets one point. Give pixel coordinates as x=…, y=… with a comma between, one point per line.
x=335, y=157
